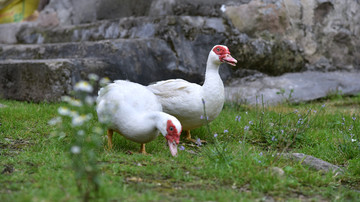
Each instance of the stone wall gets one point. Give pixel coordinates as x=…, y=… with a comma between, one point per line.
x=149, y=40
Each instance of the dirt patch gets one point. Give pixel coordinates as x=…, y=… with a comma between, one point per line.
x=10, y=147
x=8, y=169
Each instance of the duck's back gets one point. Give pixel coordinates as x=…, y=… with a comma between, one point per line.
x=123, y=105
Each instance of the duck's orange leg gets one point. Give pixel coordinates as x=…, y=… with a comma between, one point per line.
x=109, y=136
x=188, y=137
x=142, y=149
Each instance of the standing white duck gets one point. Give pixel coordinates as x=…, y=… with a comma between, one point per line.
x=184, y=100
x=133, y=111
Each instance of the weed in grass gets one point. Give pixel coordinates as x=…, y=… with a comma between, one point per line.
x=74, y=123
x=288, y=99
x=349, y=144
x=219, y=154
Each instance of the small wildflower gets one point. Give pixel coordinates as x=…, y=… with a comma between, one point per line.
x=55, y=121
x=343, y=119
x=273, y=138
x=259, y=161
x=315, y=111
x=246, y=127
x=353, y=118
x=353, y=140
x=73, y=113
x=104, y=81
x=250, y=122
x=182, y=148
x=351, y=135
x=240, y=141
x=215, y=135
x=75, y=149
x=81, y=132
x=282, y=131
x=246, y=112
x=66, y=98
x=198, y=142
x=226, y=131
x=83, y=86
x=201, y=117
x=80, y=120
x=238, y=118
x=98, y=130
x=75, y=103
x=63, y=111
x=89, y=100
x=296, y=111
x=260, y=154
x=93, y=77
x=323, y=105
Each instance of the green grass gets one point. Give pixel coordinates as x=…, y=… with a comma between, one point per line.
x=37, y=166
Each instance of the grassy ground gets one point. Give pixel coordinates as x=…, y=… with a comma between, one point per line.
x=239, y=164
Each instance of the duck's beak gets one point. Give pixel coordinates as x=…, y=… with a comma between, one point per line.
x=172, y=147
x=229, y=59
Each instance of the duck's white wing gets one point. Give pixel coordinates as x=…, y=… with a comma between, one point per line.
x=179, y=98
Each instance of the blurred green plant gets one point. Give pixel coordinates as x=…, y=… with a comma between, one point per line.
x=349, y=144
x=73, y=123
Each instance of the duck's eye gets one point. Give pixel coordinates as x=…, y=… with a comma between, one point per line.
x=171, y=128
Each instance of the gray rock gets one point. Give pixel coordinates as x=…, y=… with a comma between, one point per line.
x=306, y=86
x=314, y=163
x=45, y=80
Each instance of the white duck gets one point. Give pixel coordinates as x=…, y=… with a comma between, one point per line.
x=184, y=100
x=133, y=111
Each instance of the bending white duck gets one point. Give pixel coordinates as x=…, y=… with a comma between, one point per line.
x=133, y=111
x=184, y=100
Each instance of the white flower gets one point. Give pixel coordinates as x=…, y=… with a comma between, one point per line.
x=55, y=121
x=89, y=100
x=83, y=86
x=353, y=140
x=81, y=133
x=80, y=119
x=75, y=149
x=93, y=77
x=75, y=103
x=104, y=81
x=63, y=111
x=98, y=130
x=66, y=98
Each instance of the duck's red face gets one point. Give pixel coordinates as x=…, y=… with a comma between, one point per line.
x=173, y=137
x=224, y=55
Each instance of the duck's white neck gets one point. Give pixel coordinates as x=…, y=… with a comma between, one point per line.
x=212, y=77
x=159, y=120
x=213, y=89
